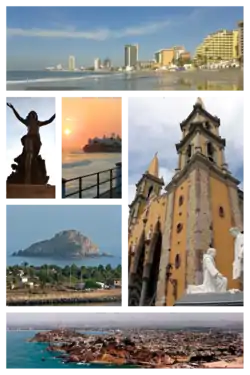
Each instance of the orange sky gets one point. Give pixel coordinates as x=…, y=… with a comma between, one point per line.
x=84, y=118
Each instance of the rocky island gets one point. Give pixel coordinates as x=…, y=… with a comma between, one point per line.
x=68, y=244
x=189, y=348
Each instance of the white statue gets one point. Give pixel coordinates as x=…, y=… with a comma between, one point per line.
x=213, y=280
x=238, y=252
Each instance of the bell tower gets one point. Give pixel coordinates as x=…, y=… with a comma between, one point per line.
x=148, y=186
x=202, y=205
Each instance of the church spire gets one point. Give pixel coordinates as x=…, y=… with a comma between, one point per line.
x=153, y=168
x=199, y=102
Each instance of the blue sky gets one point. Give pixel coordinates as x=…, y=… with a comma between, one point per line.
x=29, y=224
x=45, y=108
x=43, y=36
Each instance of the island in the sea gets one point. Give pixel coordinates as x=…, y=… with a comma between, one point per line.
x=67, y=244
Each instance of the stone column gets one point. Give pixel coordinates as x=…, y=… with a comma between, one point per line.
x=223, y=159
x=197, y=145
x=143, y=292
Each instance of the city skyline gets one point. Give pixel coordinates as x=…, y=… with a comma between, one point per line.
x=88, y=33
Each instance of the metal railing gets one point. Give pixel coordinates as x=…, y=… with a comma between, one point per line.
x=113, y=190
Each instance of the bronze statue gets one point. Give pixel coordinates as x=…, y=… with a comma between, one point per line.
x=30, y=167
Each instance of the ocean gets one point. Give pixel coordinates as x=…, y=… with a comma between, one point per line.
x=88, y=262
x=225, y=79
x=29, y=355
x=22, y=355
x=77, y=163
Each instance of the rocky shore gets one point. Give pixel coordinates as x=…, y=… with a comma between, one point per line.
x=147, y=348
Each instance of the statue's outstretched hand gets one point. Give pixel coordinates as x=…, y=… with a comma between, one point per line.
x=10, y=105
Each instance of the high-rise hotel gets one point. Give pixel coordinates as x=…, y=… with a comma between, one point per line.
x=72, y=63
x=131, y=55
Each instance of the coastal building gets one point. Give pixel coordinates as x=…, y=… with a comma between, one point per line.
x=97, y=64
x=131, y=55
x=146, y=64
x=72, y=63
x=164, y=57
x=241, y=40
x=170, y=232
x=178, y=51
x=221, y=45
x=107, y=63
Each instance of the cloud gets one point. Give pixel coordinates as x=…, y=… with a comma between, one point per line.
x=155, y=122
x=96, y=34
x=101, y=34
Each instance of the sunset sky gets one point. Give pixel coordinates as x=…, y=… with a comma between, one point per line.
x=84, y=118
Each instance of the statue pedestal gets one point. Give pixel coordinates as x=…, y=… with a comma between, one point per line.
x=211, y=299
x=15, y=191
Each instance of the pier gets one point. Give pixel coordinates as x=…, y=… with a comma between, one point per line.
x=103, y=184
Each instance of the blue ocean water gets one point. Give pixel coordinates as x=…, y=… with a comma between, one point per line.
x=75, y=164
x=28, y=355
x=142, y=83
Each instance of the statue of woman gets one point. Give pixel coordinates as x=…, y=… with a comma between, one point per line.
x=31, y=141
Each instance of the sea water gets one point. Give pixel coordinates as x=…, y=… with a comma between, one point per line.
x=23, y=355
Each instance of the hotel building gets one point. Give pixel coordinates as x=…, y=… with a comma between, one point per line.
x=221, y=45
x=131, y=55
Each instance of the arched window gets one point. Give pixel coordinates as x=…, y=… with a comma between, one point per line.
x=181, y=199
x=210, y=151
x=150, y=191
x=177, y=261
x=189, y=151
x=221, y=211
x=179, y=228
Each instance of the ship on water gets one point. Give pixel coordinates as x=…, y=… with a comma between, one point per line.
x=112, y=144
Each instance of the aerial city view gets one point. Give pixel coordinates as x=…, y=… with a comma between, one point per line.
x=125, y=340
x=125, y=48
x=169, y=161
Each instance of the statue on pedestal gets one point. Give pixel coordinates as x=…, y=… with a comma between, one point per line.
x=30, y=167
x=238, y=252
x=213, y=280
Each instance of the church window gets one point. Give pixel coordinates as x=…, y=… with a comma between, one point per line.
x=177, y=261
x=210, y=151
x=207, y=125
x=221, y=211
x=181, y=199
x=150, y=191
x=189, y=151
x=174, y=283
x=179, y=228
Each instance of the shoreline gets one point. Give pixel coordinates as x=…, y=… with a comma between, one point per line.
x=145, y=349
x=64, y=298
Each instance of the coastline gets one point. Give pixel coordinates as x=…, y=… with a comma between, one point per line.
x=126, y=348
x=65, y=298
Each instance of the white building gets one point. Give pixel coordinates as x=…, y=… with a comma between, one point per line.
x=97, y=64
x=72, y=63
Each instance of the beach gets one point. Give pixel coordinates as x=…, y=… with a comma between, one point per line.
x=222, y=79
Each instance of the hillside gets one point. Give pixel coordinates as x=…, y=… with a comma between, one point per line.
x=68, y=244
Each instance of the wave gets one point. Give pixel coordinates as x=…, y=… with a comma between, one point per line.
x=80, y=163
x=60, y=79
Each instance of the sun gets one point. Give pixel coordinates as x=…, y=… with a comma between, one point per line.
x=67, y=131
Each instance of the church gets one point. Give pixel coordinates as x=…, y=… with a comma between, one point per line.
x=172, y=226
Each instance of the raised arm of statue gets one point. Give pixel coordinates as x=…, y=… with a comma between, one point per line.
x=47, y=122
x=17, y=114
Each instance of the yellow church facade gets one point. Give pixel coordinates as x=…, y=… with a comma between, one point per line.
x=169, y=232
